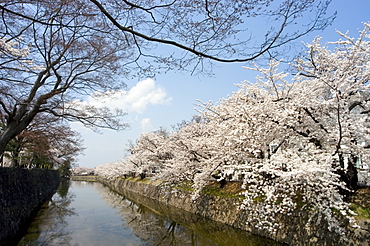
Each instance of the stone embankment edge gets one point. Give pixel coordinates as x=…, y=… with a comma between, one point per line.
x=22, y=192
x=84, y=178
x=226, y=210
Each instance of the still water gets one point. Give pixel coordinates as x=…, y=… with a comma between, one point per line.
x=89, y=213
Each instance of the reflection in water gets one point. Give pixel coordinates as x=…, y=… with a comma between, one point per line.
x=49, y=224
x=159, y=224
x=78, y=215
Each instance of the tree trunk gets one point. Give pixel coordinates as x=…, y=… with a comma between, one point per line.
x=16, y=124
x=348, y=176
x=5, y=138
x=15, y=156
x=352, y=175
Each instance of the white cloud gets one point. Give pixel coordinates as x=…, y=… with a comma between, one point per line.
x=136, y=99
x=146, y=125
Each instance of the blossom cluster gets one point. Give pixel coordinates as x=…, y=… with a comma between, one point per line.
x=293, y=141
x=13, y=51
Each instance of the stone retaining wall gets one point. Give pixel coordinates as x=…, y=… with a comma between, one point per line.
x=22, y=192
x=225, y=210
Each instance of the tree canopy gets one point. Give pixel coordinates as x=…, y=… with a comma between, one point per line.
x=54, y=53
x=293, y=139
x=46, y=143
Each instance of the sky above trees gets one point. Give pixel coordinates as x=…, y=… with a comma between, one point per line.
x=169, y=98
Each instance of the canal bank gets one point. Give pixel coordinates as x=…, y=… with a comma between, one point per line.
x=22, y=192
x=89, y=178
x=295, y=230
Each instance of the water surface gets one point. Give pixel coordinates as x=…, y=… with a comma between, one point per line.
x=89, y=213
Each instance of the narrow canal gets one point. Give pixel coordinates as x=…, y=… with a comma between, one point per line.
x=89, y=213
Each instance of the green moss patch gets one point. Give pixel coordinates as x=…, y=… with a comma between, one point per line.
x=231, y=189
x=360, y=203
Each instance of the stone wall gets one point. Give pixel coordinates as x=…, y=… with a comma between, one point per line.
x=22, y=192
x=225, y=210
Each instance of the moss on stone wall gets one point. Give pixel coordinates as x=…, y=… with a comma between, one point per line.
x=22, y=192
x=223, y=208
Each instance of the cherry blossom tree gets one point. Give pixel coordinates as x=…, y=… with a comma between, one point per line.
x=189, y=152
x=55, y=53
x=293, y=139
x=150, y=152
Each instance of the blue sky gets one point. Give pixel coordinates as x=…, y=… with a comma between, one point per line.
x=171, y=98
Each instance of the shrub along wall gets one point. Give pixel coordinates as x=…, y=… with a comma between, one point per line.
x=22, y=192
x=223, y=209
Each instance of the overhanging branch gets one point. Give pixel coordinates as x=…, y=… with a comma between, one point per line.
x=184, y=47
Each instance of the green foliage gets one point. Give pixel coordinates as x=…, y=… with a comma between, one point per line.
x=216, y=191
x=362, y=212
x=185, y=185
x=41, y=161
x=360, y=203
x=229, y=190
x=64, y=169
x=259, y=199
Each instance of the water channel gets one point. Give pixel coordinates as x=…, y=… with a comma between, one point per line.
x=89, y=213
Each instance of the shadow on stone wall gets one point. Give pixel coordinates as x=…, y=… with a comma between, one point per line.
x=22, y=192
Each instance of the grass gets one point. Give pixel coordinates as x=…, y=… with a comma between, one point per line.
x=145, y=180
x=361, y=211
x=136, y=179
x=360, y=203
x=185, y=186
x=231, y=190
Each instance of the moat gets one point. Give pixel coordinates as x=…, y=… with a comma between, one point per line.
x=89, y=213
